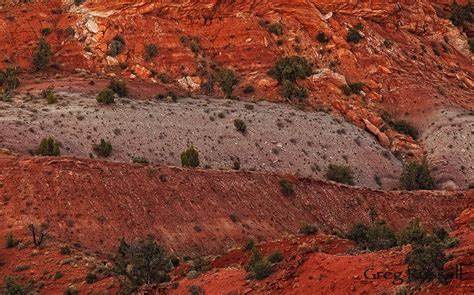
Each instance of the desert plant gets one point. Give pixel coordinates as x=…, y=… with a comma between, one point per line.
x=78, y=2
x=41, y=55
x=249, y=89
x=275, y=257
x=12, y=287
x=426, y=262
x=249, y=244
x=38, y=233
x=106, y=96
x=196, y=290
x=461, y=14
x=375, y=237
x=340, y=173
x=308, y=229
x=291, y=68
x=322, y=38
x=91, y=278
x=227, y=80
x=413, y=233
x=353, y=36
x=276, y=28
x=240, y=126
x=116, y=46
x=151, y=51
x=417, y=176
x=103, y=149
x=49, y=147
x=10, y=241
x=292, y=91
x=286, y=188
x=190, y=157
x=65, y=250
x=405, y=128
x=119, y=87
x=71, y=291
x=49, y=95
x=9, y=78
x=470, y=43
x=142, y=262
x=259, y=267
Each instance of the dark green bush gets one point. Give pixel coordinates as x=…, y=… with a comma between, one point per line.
x=151, y=51
x=275, y=257
x=91, y=278
x=227, y=80
x=11, y=287
x=308, y=229
x=196, y=290
x=142, y=262
x=340, y=173
x=116, y=46
x=413, y=233
x=286, y=188
x=49, y=147
x=10, y=241
x=406, y=128
x=240, y=126
x=259, y=267
x=292, y=91
x=322, y=38
x=78, y=2
x=291, y=68
x=103, y=149
x=376, y=237
x=9, y=79
x=49, y=95
x=106, y=96
x=461, y=14
x=190, y=157
x=119, y=87
x=71, y=291
x=42, y=55
x=249, y=89
x=174, y=260
x=276, y=28
x=426, y=262
x=65, y=250
x=249, y=245
x=417, y=176
x=353, y=36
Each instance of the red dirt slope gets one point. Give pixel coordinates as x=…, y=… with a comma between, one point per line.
x=95, y=203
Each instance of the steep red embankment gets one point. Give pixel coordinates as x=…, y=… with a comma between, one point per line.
x=95, y=203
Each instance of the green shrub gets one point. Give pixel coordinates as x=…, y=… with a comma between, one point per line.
x=308, y=229
x=322, y=38
x=275, y=257
x=227, y=80
x=340, y=173
x=440, y=233
x=240, y=126
x=470, y=42
x=78, y=2
x=286, y=188
x=196, y=290
x=249, y=89
x=71, y=291
x=142, y=262
x=10, y=241
x=413, y=233
x=58, y=275
x=426, y=262
x=417, y=176
x=353, y=36
x=174, y=260
x=42, y=55
x=461, y=14
x=190, y=157
x=292, y=91
x=103, y=149
x=379, y=236
x=406, y=128
x=11, y=287
x=276, y=28
x=9, y=78
x=49, y=147
x=116, y=46
x=259, y=266
x=151, y=51
x=356, y=87
x=119, y=87
x=291, y=68
x=249, y=245
x=49, y=95
x=65, y=250
x=91, y=278
x=139, y=160
x=106, y=96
